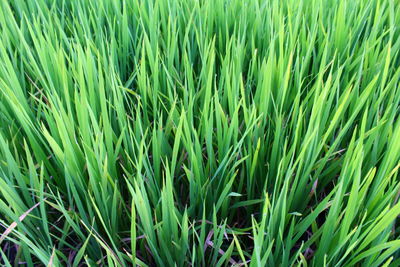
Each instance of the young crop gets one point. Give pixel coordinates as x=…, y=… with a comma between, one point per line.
x=199, y=133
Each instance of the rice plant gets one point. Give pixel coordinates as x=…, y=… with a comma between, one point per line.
x=199, y=133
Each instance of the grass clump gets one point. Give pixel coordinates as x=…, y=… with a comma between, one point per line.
x=199, y=133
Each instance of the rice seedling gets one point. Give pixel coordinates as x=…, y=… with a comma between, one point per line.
x=199, y=133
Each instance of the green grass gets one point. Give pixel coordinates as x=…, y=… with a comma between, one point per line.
x=200, y=132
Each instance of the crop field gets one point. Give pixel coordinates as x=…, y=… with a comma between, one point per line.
x=200, y=133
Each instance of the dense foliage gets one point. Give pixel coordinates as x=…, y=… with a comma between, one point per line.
x=200, y=132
